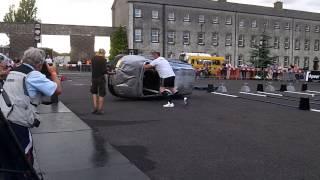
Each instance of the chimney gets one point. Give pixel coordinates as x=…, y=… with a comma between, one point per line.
x=278, y=5
x=222, y=0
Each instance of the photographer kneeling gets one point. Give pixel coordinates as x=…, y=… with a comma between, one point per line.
x=24, y=87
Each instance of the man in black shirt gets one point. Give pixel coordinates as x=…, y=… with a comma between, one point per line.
x=98, y=86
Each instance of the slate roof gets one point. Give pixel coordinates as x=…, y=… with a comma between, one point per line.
x=235, y=7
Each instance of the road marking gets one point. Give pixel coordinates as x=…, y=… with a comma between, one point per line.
x=313, y=91
x=253, y=94
x=292, y=92
x=315, y=110
x=222, y=94
x=273, y=94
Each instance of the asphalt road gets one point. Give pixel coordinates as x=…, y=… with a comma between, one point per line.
x=213, y=137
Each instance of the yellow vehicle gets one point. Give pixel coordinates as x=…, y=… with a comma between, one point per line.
x=203, y=63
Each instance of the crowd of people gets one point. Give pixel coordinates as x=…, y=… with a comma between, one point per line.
x=272, y=72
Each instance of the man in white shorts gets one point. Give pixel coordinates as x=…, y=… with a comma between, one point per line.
x=167, y=76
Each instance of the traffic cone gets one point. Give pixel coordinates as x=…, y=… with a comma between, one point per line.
x=304, y=104
x=222, y=88
x=290, y=87
x=245, y=88
x=260, y=87
x=304, y=87
x=270, y=87
x=283, y=87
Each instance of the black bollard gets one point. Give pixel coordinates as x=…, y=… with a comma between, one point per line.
x=283, y=87
x=260, y=87
x=304, y=87
x=210, y=88
x=304, y=104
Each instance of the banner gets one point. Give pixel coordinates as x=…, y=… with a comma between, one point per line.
x=313, y=76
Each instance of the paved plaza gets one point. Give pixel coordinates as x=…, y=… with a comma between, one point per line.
x=213, y=137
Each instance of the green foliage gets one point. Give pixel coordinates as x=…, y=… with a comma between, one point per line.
x=261, y=53
x=26, y=12
x=119, y=42
x=10, y=16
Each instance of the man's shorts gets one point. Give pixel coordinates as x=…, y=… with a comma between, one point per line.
x=167, y=82
x=98, y=87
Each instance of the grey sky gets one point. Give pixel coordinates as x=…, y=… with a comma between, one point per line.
x=98, y=13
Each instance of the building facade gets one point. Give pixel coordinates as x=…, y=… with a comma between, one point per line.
x=221, y=28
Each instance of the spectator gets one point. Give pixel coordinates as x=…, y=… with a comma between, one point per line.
x=49, y=60
x=98, y=81
x=24, y=86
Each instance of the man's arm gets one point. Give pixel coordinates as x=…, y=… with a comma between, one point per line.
x=148, y=66
x=54, y=78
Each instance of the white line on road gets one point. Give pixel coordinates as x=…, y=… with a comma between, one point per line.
x=292, y=92
x=222, y=94
x=315, y=110
x=273, y=94
x=253, y=94
x=313, y=91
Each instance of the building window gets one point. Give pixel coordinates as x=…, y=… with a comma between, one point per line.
x=240, y=59
x=155, y=33
x=264, y=42
x=228, y=58
x=137, y=13
x=287, y=43
x=171, y=37
x=276, y=43
x=266, y=24
x=171, y=17
x=286, y=61
x=253, y=42
x=254, y=24
x=297, y=28
x=241, y=23
x=276, y=60
x=186, y=18
x=297, y=44
x=229, y=39
x=287, y=27
x=307, y=45
x=276, y=25
x=215, y=20
x=138, y=35
x=228, y=20
x=241, y=40
x=155, y=14
x=215, y=39
x=296, y=60
x=307, y=28
x=317, y=29
x=316, y=45
x=201, y=38
x=306, y=63
x=201, y=19
x=186, y=37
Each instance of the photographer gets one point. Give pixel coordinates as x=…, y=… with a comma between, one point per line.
x=24, y=87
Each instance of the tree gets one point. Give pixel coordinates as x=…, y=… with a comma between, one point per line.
x=10, y=16
x=261, y=53
x=119, y=42
x=26, y=13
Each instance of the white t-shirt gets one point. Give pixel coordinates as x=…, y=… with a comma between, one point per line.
x=163, y=67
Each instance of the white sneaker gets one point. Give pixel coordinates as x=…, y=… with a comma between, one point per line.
x=185, y=100
x=168, y=105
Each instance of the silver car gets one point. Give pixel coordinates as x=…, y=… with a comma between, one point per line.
x=131, y=80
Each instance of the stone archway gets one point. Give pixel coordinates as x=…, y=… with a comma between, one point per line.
x=316, y=64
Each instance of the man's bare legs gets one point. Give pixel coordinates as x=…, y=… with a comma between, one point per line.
x=95, y=103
